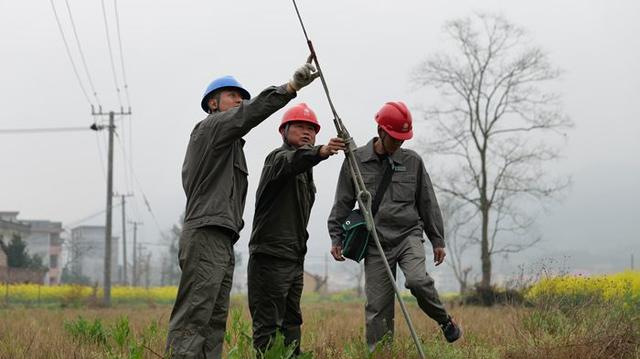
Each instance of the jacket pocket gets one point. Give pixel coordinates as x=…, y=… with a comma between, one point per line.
x=370, y=182
x=240, y=173
x=403, y=188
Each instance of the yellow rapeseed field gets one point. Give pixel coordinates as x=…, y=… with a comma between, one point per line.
x=33, y=293
x=623, y=286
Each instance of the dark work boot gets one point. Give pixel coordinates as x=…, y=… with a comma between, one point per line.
x=451, y=330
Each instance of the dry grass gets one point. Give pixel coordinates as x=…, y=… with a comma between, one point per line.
x=335, y=330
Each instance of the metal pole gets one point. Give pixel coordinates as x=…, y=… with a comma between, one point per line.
x=124, y=241
x=125, y=279
x=109, y=222
x=363, y=196
x=147, y=271
x=107, y=248
x=135, y=258
x=134, y=274
x=139, y=257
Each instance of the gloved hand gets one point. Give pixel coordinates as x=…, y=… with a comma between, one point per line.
x=303, y=76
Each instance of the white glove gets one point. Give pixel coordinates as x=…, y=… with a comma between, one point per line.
x=303, y=76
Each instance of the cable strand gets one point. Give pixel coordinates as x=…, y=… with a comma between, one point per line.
x=66, y=46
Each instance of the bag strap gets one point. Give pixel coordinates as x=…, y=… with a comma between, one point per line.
x=382, y=186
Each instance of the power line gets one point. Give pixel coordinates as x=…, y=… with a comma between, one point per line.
x=146, y=202
x=84, y=62
x=130, y=144
x=126, y=85
x=124, y=75
x=44, y=130
x=113, y=66
x=100, y=155
x=144, y=196
x=91, y=216
x=127, y=175
x=66, y=45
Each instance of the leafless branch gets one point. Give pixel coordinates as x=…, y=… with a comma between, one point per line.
x=494, y=108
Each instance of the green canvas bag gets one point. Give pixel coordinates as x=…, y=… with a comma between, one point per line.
x=356, y=236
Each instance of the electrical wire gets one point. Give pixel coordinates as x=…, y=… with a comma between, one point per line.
x=44, y=130
x=66, y=46
x=113, y=66
x=101, y=157
x=91, y=216
x=84, y=61
x=127, y=175
x=126, y=85
x=130, y=143
x=124, y=75
x=144, y=196
x=147, y=204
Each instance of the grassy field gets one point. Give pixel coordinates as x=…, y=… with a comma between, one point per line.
x=331, y=330
x=562, y=317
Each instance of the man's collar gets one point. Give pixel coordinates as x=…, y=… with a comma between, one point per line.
x=287, y=146
x=368, y=151
x=371, y=155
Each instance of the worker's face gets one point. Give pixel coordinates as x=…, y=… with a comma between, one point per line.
x=301, y=133
x=225, y=100
x=390, y=144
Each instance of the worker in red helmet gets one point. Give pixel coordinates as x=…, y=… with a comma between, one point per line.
x=408, y=207
x=278, y=244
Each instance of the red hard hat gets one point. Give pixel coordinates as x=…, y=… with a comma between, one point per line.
x=395, y=119
x=300, y=112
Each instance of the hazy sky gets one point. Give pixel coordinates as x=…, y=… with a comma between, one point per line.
x=367, y=48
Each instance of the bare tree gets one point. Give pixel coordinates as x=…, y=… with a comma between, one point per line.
x=320, y=283
x=489, y=127
x=76, y=249
x=357, y=274
x=170, y=270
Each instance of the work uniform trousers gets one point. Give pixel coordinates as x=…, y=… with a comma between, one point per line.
x=379, y=309
x=199, y=317
x=275, y=289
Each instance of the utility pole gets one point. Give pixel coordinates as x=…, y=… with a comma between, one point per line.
x=108, y=224
x=147, y=271
x=326, y=269
x=125, y=280
x=140, y=263
x=135, y=274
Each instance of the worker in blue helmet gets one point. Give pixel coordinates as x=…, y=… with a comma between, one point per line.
x=224, y=82
x=214, y=178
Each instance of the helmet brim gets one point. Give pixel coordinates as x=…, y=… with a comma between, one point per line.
x=316, y=125
x=243, y=93
x=400, y=136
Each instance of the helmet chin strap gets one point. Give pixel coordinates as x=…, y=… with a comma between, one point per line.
x=382, y=137
x=284, y=134
x=216, y=96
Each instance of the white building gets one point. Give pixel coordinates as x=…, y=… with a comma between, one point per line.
x=87, y=250
x=44, y=240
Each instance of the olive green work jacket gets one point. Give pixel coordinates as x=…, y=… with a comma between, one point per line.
x=408, y=207
x=214, y=173
x=283, y=202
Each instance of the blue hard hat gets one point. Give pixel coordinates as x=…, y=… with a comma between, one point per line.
x=220, y=83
